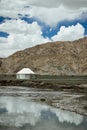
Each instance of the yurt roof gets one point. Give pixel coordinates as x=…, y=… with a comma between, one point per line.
x=25, y=71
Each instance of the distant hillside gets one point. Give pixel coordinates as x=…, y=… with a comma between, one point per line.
x=57, y=58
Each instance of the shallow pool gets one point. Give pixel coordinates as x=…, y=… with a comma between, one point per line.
x=25, y=108
x=20, y=113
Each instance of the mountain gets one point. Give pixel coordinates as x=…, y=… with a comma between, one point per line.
x=57, y=58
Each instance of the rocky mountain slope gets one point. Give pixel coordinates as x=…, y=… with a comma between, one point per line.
x=60, y=58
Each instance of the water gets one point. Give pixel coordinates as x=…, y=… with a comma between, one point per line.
x=19, y=112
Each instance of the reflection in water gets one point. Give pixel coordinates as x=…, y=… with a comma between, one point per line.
x=18, y=113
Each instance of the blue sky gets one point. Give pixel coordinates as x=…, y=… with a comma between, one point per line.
x=47, y=31
x=24, y=24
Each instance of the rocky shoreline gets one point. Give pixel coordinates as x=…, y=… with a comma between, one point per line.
x=74, y=97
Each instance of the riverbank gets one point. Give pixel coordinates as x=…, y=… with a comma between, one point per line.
x=72, y=98
x=76, y=87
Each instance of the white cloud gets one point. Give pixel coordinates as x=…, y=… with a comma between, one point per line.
x=59, y=9
x=3, y=40
x=57, y=3
x=10, y=8
x=20, y=26
x=24, y=35
x=70, y=33
x=46, y=3
x=51, y=16
x=21, y=35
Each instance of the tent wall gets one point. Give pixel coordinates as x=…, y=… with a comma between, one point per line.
x=23, y=76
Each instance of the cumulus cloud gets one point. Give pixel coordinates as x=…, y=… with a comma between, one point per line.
x=20, y=26
x=3, y=40
x=21, y=35
x=59, y=9
x=70, y=33
x=10, y=8
x=51, y=16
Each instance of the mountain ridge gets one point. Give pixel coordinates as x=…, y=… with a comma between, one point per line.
x=54, y=58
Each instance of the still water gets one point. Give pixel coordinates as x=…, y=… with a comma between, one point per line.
x=21, y=113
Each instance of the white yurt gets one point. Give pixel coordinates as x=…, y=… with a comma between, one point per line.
x=24, y=73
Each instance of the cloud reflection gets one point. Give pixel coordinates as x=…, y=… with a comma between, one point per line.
x=21, y=111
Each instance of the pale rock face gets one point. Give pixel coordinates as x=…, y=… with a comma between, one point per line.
x=56, y=58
